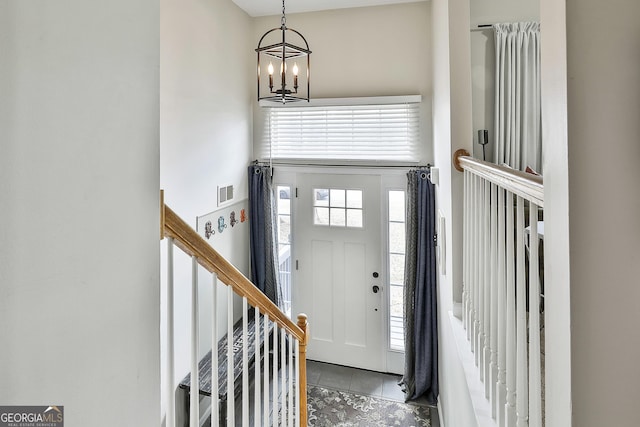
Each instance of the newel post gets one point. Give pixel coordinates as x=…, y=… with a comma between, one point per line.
x=456, y=158
x=302, y=324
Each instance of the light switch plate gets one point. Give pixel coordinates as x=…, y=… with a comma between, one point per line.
x=442, y=243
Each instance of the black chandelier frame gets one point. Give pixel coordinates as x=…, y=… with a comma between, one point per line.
x=284, y=52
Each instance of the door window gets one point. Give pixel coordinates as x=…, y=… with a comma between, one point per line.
x=337, y=207
x=396, y=255
x=283, y=197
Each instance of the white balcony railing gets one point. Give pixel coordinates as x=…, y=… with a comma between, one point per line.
x=503, y=290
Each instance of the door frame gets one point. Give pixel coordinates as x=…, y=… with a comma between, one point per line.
x=391, y=178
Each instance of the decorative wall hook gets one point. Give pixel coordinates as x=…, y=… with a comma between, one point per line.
x=208, y=230
x=221, y=224
x=232, y=218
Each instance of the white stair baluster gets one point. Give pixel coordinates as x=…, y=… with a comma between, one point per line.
x=481, y=280
x=510, y=323
x=283, y=373
x=245, y=363
x=231, y=399
x=476, y=270
x=274, y=398
x=194, y=392
x=535, y=387
x=493, y=290
x=257, y=383
x=522, y=388
x=501, y=309
x=215, y=395
x=486, y=354
x=467, y=246
x=265, y=377
x=169, y=390
x=465, y=243
x=297, y=375
x=291, y=396
x=472, y=263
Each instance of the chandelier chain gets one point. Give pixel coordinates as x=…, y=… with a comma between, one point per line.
x=283, y=21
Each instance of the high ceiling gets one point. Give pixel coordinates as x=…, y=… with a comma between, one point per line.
x=274, y=7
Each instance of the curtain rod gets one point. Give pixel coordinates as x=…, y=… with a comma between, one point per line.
x=353, y=166
x=483, y=27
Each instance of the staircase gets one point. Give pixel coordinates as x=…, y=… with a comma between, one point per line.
x=264, y=350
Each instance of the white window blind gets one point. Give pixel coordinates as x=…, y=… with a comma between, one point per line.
x=384, y=132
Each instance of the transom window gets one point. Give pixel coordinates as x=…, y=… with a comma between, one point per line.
x=336, y=207
x=385, y=129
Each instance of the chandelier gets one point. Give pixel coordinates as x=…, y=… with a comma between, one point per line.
x=292, y=81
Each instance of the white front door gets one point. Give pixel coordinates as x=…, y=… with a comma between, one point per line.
x=340, y=268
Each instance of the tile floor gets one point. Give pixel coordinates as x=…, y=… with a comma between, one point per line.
x=345, y=379
x=361, y=382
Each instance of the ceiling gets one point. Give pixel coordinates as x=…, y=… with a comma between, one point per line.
x=274, y=7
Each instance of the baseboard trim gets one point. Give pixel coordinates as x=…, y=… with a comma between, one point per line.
x=481, y=405
x=440, y=412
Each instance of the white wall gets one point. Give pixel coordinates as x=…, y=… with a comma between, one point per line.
x=493, y=11
x=79, y=297
x=452, y=126
x=367, y=51
x=206, y=94
x=603, y=66
x=205, y=102
x=483, y=59
x=553, y=76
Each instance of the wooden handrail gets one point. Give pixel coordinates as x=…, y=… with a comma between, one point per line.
x=526, y=185
x=193, y=244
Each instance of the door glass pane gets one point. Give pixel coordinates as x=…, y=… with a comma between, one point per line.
x=337, y=198
x=354, y=218
x=396, y=269
x=396, y=206
x=284, y=200
x=284, y=229
x=354, y=199
x=396, y=237
x=320, y=197
x=337, y=217
x=396, y=300
x=321, y=216
x=396, y=315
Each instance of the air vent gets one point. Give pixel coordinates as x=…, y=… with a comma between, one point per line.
x=225, y=195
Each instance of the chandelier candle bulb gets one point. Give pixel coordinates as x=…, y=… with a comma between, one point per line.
x=270, y=70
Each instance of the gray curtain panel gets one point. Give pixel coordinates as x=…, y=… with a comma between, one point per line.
x=262, y=233
x=420, y=298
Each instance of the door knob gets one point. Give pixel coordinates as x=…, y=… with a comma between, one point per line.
x=376, y=288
